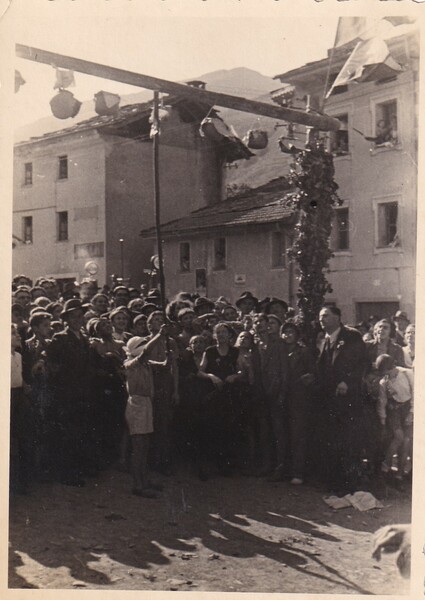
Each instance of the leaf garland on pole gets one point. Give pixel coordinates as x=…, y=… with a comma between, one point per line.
x=312, y=173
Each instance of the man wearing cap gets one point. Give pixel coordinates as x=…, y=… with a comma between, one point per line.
x=203, y=306
x=246, y=303
x=68, y=362
x=120, y=296
x=401, y=321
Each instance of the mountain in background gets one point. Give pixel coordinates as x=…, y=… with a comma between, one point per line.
x=259, y=169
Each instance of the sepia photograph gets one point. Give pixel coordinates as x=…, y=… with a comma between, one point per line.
x=210, y=288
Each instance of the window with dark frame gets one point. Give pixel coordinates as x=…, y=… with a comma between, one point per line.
x=27, y=230
x=28, y=173
x=63, y=167
x=185, y=256
x=220, y=254
x=386, y=120
x=62, y=233
x=388, y=225
x=339, y=140
x=340, y=237
x=279, y=244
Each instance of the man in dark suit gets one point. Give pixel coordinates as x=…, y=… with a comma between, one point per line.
x=341, y=365
x=68, y=364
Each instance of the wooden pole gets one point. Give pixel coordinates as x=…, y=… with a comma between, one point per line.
x=157, y=197
x=321, y=122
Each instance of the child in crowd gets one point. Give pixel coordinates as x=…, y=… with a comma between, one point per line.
x=139, y=413
x=119, y=318
x=140, y=327
x=395, y=410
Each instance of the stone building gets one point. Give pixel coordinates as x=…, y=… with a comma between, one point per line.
x=80, y=190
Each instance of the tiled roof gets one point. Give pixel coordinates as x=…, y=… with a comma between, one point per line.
x=132, y=121
x=256, y=207
x=126, y=114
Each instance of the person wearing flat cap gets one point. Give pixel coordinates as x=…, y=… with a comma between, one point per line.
x=246, y=303
x=203, y=306
x=401, y=321
x=68, y=366
x=277, y=307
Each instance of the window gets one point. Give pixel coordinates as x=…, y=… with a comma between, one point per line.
x=89, y=250
x=339, y=142
x=387, y=218
x=185, y=256
x=386, y=131
x=63, y=167
x=27, y=229
x=219, y=254
x=340, y=237
x=62, y=224
x=28, y=173
x=278, y=249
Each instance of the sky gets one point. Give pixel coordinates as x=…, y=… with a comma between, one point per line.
x=171, y=46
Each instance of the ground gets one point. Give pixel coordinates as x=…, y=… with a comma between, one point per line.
x=237, y=533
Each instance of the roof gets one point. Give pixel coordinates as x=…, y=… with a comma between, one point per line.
x=132, y=121
x=337, y=57
x=267, y=204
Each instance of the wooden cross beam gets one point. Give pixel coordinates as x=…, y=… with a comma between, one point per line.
x=321, y=122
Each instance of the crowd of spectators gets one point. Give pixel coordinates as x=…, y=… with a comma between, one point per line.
x=111, y=379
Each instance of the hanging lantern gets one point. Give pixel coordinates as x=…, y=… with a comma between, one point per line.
x=256, y=139
x=106, y=104
x=64, y=105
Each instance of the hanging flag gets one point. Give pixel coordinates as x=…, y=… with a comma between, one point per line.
x=64, y=79
x=369, y=61
x=365, y=28
x=19, y=80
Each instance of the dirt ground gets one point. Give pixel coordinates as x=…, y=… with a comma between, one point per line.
x=239, y=534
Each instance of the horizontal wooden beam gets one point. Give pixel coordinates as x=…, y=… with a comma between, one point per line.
x=321, y=122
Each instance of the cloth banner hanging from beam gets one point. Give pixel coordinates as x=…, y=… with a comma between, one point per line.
x=369, y=61
x=365, y=28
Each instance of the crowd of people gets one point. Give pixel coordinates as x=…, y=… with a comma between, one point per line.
x=112, y=378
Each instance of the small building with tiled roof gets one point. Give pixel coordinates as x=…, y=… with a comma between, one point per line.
x=237, y=244
x=78, y=191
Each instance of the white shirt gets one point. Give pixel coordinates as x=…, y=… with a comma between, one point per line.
x=16, y=380
x=332, y=337
x=400, y=389
x=409, y=360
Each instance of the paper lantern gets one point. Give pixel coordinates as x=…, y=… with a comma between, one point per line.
x=257, y=139
x=106, y=103
x=64, y=105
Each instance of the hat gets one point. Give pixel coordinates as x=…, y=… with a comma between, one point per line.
x=148, y=306
x=400, y=314
x=72, y=305
x=263, y=303
x=203, y=301
x=135, y=346
x=116, y=311
x=246, y=296
x=274, y=300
